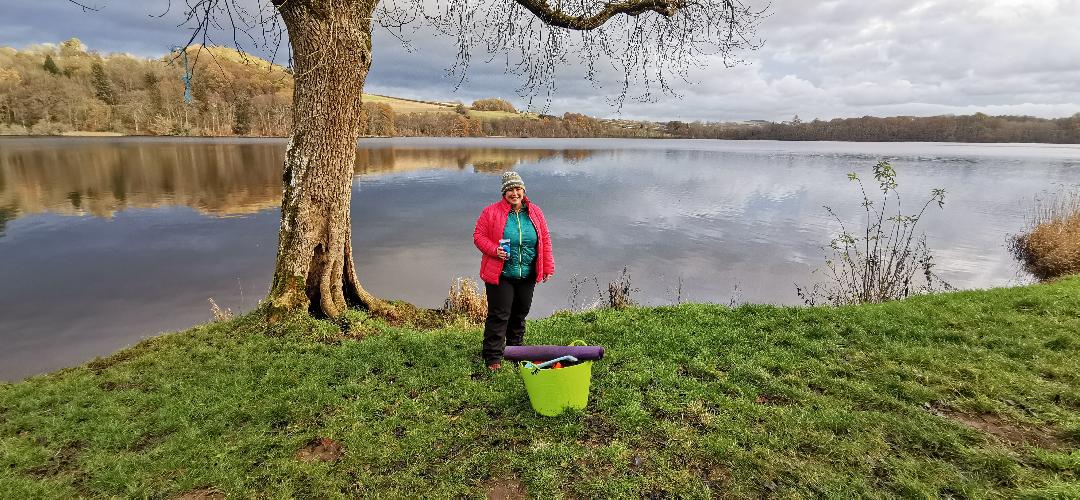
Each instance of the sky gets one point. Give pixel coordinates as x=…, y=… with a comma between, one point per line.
x=824, y=59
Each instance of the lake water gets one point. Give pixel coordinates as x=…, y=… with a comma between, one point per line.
x=106, y=241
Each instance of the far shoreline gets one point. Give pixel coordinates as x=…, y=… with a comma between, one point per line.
x=116, y=135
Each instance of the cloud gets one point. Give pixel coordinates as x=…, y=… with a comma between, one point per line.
x=835, y=58
x=869, y=93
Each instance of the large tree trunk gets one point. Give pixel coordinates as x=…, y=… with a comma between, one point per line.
x=331, y=44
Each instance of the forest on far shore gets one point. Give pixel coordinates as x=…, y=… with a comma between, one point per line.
x=57, y=89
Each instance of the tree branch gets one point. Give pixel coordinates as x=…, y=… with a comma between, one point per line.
x=558, y=18
x=84, y=7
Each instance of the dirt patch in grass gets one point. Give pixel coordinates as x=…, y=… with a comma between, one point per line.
x=772, y=400
x=99, y=365
x=599, y=431
x=147, y=441
x=1009, y=433
x=63, y=460
x=403, y=314
x=505, y=489
x=320, y=450
x=201, y=494
x=716, y=477
x=1071, y=402
x=110, y=385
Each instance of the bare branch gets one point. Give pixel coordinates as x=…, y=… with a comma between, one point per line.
x=620, y=46
x=558, y=18
x=655, y=42
x=168, y=7
x=84, y=7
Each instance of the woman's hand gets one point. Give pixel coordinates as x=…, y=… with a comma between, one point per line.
x=502, y=254
x=546, y=278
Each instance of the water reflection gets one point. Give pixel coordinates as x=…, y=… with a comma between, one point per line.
x=220, y=178
x=6, y=213
x=104, y=241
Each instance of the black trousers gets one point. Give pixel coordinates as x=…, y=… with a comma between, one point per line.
x=508, y=304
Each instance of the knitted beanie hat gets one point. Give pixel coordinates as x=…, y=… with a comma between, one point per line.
x=511, y=180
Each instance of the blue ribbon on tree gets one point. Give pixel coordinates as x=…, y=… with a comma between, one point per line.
x=187, y=75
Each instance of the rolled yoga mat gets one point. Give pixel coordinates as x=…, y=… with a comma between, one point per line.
x=546, y=352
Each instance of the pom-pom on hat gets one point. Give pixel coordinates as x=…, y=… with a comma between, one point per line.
x=511, y=180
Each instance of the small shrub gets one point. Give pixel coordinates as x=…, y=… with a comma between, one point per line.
x=218, y=313
x=50, y=65
x=620, y=291
x=1051, y=247
x=577, y=286
x=883, y=261
x=465, y=298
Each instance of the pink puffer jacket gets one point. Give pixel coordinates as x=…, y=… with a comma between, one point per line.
x=489, y=230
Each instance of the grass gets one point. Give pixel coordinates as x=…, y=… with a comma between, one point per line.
x=408, y=105
x=402, y=105
x=971, y=394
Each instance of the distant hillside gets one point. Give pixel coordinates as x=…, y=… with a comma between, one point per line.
x=56, y=89
x=69, y=89
x=402, y=105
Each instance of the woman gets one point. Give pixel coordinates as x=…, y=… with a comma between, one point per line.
x=510, y=276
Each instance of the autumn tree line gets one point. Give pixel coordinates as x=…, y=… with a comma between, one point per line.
x=949, y=128
x=49, y=90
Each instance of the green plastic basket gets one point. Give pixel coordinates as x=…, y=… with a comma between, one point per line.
x=552, y=391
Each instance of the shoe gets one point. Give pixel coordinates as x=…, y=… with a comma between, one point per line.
x=494, y=366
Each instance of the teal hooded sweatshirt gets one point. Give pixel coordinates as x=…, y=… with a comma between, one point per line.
x=522, y=235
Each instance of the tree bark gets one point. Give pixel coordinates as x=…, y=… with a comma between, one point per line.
x=331, y=45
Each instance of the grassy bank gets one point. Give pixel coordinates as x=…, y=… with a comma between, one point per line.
x=972, y=394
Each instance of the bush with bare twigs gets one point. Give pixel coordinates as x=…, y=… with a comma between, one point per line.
x=620, y=291
x=217, y=313
x=886, y=260
x=576, y=299
x=466, y=299
x=1051, y=247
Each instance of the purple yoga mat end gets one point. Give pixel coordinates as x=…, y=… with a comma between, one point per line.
x=546, y=352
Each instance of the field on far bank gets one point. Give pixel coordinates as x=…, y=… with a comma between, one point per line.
x=966, y=395
x=402, y=106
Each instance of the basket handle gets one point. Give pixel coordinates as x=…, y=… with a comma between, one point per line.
x=578, y=342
